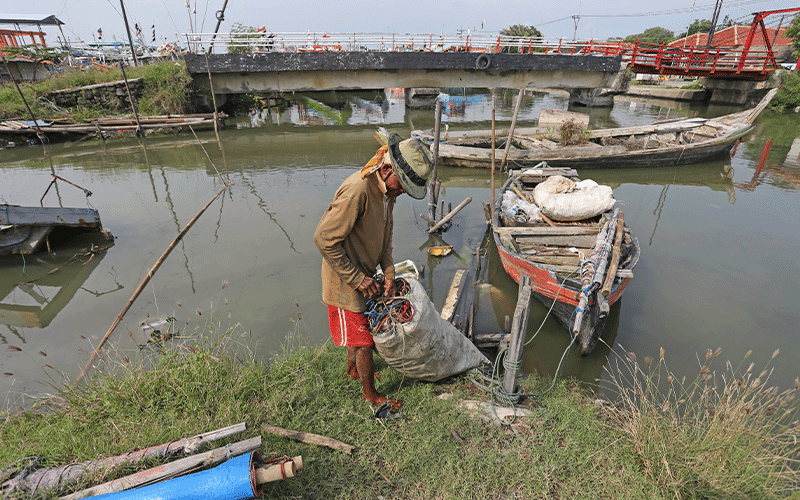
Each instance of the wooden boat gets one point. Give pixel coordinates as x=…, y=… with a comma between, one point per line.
x=673, y=142
x=25, y=230
x=56, y=129
x=578, y=291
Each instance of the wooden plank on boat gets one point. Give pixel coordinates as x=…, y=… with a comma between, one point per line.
x=450, y=303
x=577, y=241
x=47, y=216
x=556, y=260
x=547, y=230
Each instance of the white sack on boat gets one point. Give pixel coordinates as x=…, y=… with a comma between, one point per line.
x=561, y=199
x=428, y=347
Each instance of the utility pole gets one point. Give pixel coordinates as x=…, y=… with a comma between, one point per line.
x=128, y=29
x=575, y=19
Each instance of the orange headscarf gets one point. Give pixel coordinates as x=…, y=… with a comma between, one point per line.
x=375, y=163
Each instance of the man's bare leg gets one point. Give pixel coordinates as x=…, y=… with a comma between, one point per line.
x=366, y=372
x=352, y=372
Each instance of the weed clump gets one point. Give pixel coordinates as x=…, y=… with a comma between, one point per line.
x=725, y=434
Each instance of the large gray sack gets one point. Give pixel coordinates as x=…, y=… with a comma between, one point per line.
x=427, y=347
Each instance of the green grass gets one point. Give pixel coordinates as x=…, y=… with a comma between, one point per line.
x=167, y=87
x=568, y=447
x=788, y=97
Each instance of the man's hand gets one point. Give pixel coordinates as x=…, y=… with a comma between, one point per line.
x=369, y=288
x=389, y=288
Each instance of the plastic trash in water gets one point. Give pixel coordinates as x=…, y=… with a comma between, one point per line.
x=162, y=326
x=406, y=269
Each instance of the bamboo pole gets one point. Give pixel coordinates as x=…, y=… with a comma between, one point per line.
x=492, y=152
x=139, y=130
x=450, y=215
x=307, y=437
x=605, y=290
x=58, y=477
x=170, y=470
x=211, y=86
x=511, y=129
x=147, y=279
x=39, y=132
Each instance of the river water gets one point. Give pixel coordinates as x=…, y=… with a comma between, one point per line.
x=719, y=246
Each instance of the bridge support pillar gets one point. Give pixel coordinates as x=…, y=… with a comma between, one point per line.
x=739, y=92
x=421, y=97
x=602, y=97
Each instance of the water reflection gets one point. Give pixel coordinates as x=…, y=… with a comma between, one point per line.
x=31, y=296
x=715, y=272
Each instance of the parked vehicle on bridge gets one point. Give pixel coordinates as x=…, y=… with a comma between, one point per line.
x=673, y=142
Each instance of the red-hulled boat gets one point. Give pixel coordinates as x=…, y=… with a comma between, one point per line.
x=583, y=265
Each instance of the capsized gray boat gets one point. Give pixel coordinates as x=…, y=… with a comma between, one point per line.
x=25, y=230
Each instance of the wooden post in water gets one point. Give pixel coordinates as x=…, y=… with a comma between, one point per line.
x=519, y=327
x=511, y=128
x=433, y=194
x=492, y=151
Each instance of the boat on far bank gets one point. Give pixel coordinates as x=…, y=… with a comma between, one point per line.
x=579, y=267
x=663, y=143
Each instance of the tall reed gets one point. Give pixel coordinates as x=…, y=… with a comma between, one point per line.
x=724, y=434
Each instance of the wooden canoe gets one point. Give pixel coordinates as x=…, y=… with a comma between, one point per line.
x=545, y=251
x=674, y=142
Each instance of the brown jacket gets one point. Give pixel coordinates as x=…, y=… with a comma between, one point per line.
x=354, y=236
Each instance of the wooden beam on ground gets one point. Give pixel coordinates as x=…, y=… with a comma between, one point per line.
x=307, y=437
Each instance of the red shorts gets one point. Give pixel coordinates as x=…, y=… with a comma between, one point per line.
x=348, y=328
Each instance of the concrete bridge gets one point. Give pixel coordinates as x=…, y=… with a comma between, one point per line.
x=591, y=79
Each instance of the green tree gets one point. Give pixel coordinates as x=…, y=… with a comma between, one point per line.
x=652, y=35
x=726, y=23
x=698, y=26
x=248, y=40
x=793, y=32
x=519, y=30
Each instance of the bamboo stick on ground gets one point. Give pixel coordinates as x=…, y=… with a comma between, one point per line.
x=170, y=470
x=307, y=437
x=56, y=477
x=147, y=279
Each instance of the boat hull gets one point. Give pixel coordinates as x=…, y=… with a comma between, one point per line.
x=463, y=156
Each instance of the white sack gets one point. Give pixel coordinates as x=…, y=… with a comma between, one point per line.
x=561, y=199
x=427, y=347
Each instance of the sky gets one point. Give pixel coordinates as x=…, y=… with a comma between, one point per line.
x=584, y=19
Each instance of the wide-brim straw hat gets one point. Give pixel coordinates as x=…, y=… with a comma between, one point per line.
x=412, y=162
